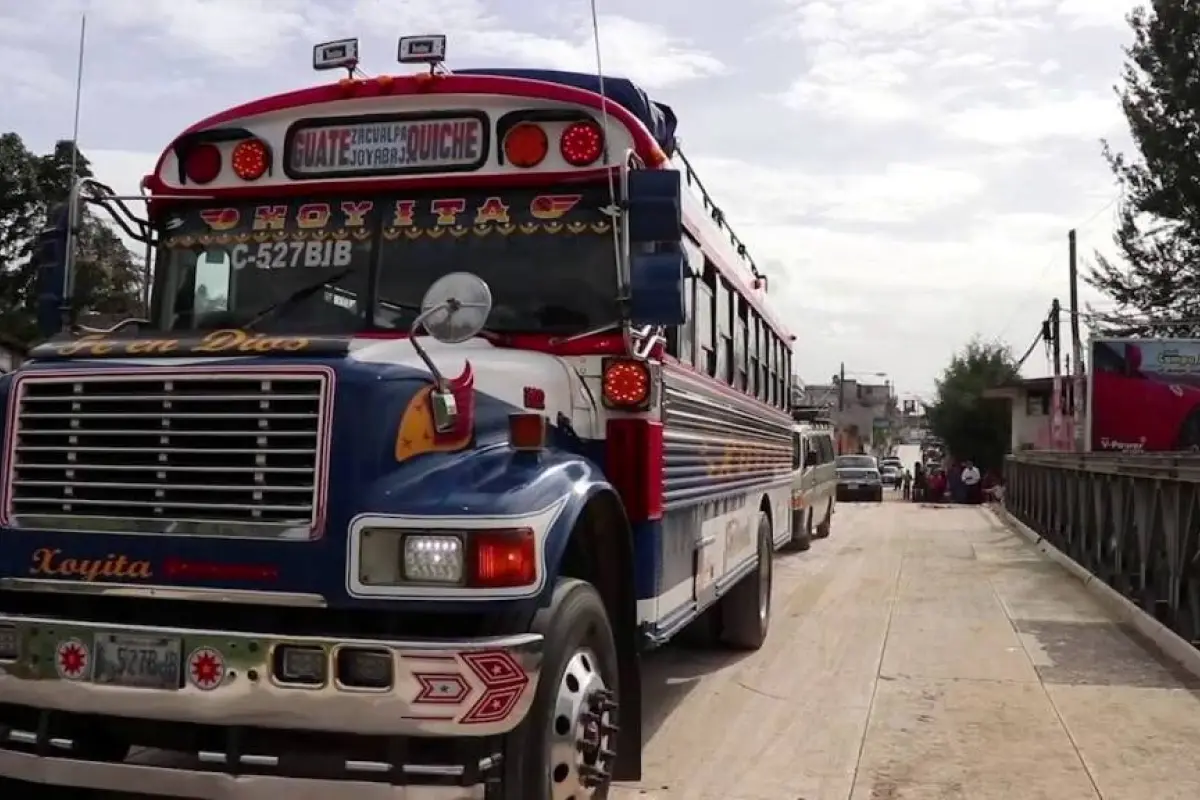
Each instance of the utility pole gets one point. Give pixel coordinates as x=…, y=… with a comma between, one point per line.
x=842, y=387
x=1054, y=329
x=1077, y=389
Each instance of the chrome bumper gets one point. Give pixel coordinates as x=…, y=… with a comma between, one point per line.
x=471, y=687
x=177, y=782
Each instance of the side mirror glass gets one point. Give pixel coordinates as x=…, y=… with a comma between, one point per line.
x=654, y=203
x=455, y=308
x=656, y=289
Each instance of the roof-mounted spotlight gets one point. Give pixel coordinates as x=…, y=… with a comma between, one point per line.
x=342, y=54
x=428, y=49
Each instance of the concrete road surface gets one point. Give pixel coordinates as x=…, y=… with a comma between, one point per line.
x=923, y=654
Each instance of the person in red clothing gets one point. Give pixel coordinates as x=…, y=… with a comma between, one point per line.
x=937, y=486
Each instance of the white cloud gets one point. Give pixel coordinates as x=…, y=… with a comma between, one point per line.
x=1080, y=117
x=905, y=170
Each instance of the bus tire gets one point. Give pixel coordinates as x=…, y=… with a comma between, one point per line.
x=746, y=609
x=566, y=746
x=826, y=527
x=801, y=532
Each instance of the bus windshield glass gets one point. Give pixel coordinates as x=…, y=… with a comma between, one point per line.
x=549, y=257
x=227, y=264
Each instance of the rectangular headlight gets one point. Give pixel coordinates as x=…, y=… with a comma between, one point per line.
x=432, y=558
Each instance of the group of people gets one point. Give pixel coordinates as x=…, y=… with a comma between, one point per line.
x=930, y=483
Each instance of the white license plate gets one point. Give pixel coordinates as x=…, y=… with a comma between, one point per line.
x=146, y=662
x=851, y=485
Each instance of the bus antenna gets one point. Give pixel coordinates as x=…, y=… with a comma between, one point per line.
x=74, y=212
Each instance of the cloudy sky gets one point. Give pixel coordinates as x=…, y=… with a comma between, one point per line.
x=905, y=170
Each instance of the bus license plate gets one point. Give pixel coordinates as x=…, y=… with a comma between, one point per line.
x=145, y=662
x=851, y=485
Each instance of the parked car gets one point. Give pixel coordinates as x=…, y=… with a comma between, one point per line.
x=814, y=484
x=858, y=478
x=889, y=474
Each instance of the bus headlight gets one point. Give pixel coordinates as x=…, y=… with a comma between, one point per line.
x=432, y=559
x=480, y=558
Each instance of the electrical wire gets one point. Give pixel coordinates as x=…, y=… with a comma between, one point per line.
x=1046, y=268
x=1028, y=352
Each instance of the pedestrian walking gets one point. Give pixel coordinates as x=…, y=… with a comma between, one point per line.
x=906, y=484
x=972, y=486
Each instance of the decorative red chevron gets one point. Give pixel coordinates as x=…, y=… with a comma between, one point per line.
x=441, y=688
x=503, y=684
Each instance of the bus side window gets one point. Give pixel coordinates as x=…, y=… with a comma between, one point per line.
x=213, y=282
x=706, y=353
x=797, y=444
x=681, y=341
x=752, y=348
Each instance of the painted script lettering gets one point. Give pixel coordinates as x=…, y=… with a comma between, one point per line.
x=223, y=341
x=50, y=563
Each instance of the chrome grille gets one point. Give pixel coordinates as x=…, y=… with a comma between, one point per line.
x=212, y=453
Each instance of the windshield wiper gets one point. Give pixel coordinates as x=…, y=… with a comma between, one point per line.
x=303, y=293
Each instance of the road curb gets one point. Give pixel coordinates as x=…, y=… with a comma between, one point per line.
x=1166, y=640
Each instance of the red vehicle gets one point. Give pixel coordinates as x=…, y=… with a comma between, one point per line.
x=1145, y=395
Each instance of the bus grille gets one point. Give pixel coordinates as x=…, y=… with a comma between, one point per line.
x=219, y=453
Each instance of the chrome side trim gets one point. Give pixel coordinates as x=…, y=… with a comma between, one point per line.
x=180, y=782
x=294, y=599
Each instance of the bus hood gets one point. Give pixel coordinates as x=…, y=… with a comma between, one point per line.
x=377, y=387
x=523, y=379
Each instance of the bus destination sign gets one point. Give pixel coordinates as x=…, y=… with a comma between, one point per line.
x=391, y=146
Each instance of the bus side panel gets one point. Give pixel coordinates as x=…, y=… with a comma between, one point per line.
x=723, y=453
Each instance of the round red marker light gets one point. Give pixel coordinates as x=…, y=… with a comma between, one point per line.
x=202, y=164
x=251, y=159
x=582, y=144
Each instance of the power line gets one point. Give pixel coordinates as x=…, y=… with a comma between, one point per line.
x=1046, y=267
x=1032, y=345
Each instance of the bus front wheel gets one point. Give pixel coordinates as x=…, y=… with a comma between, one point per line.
x=566, y=746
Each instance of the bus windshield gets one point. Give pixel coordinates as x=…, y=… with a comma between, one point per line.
x=227, y=264
x=549, y=258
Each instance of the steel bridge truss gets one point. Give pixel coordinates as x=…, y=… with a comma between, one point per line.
x=1131, y=520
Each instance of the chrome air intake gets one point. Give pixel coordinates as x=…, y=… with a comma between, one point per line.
x=217, y=452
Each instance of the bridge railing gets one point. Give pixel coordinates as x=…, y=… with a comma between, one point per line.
x=1131, y=520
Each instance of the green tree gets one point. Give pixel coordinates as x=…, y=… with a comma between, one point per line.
x=1158, y=231
x=971, y=425
x=107, y=276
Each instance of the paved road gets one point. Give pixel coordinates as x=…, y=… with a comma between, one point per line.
x=923, y=654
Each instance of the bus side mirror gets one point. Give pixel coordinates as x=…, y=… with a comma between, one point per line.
x=657, y=265
x=656, y=289
x=50, y=262
x=654, y=206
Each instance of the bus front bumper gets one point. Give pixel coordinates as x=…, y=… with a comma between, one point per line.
x=241, y=730
x=164, y=781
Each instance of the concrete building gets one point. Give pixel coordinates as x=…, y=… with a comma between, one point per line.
x=864, y=413
x=1033, y=418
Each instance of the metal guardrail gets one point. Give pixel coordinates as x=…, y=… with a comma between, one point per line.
x=1183, y=466
x=1130, y=519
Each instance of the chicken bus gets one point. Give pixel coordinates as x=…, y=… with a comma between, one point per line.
x=454, y=393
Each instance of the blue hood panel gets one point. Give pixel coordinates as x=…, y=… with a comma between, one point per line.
x=365, y=478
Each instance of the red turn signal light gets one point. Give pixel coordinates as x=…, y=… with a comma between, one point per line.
x=502, y=558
